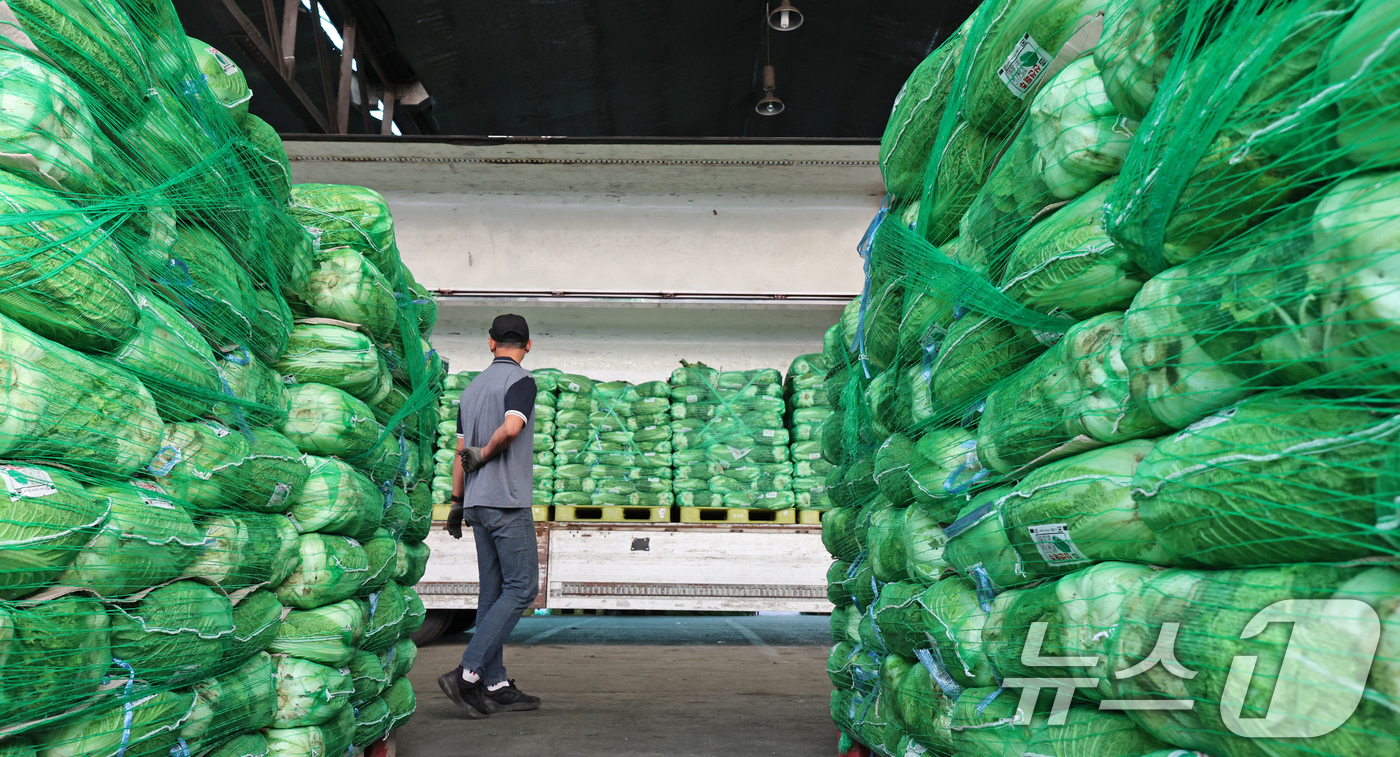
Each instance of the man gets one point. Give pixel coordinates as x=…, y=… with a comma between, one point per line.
x=492, y=475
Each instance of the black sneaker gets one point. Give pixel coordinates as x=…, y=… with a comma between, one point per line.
x=510, y=699
x=469, y=696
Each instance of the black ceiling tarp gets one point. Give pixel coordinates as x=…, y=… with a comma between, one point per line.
x=663, y=68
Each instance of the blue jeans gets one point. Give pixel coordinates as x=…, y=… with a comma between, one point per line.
x=508, y=560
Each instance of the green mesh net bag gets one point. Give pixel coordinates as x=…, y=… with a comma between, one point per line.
x=155, y=257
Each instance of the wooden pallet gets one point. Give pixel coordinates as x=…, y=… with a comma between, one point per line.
x=810, y=517
x=737, y=515
x=611, y=514
x=540, y=512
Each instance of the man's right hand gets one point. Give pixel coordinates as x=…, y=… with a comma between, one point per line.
x=454, y=520
x=472, y=459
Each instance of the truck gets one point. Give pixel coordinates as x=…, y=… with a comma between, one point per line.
x=627, y=256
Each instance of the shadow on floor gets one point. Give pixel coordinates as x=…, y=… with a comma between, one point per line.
x=680, y=686
x=774, y=630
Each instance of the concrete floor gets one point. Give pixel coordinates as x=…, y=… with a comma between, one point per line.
x=683, y=686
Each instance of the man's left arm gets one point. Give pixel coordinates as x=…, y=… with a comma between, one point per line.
x=519, y=406
x=502, y=438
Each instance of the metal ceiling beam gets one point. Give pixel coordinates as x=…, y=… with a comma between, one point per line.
x=273, y=53
x=276, y=69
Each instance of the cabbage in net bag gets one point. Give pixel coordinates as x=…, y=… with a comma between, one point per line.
x=154, y=262
x=1143, y=375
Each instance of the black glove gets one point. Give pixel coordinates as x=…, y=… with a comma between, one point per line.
x=471, y=459
x=454, y=520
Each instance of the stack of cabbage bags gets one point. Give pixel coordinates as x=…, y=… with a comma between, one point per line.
x=575, y=405
x=808, y=407
x=215, y=412
x=1124, y=373
x=546, y=400
x=446, y=447
x=645, y=410
x=731, y=447
x=612, y=444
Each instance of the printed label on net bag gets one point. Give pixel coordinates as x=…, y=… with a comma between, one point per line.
x=156, y=499
x=1053, y=542
x=1025, y=66
x=229, y=67
x=26, y=482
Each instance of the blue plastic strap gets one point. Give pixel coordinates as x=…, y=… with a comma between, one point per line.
x=867, y=241
x=238, y=355
x=986, y=590
x=855, y=564
x=933, y=662
x=184, y=270
x=951, y=484
x=181, y=749
x=859, y=344
x=858, y=674
x=929, y=358
x=403, y=455
x=982, y=705
x=854, y=569
x=373, y=604
x=966, y=522
x=239, y=420
x=127, y=705
x=870, y=611
x=970, y=418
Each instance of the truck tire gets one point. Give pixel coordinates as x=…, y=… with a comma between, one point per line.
x=434, y=624
x=462, y=621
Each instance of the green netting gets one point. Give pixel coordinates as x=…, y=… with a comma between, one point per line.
x=246, y=550
x=331, y=737
x=338, y=357
x=173, y=634
x=147, y=540
x=154, y=256
x=309, y=693
x=257, y=616
x=372, y=721
x=55, y=655
x=143, y=722
x=1143, y=382
x=243, y=699
x=328, y=634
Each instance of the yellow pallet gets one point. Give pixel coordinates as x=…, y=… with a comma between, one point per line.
x=810, y=517
x=611, y=514
x=736, y=515
x=540, y=512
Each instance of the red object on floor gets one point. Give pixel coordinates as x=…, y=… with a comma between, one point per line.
x=857, y=749
x=381, y=748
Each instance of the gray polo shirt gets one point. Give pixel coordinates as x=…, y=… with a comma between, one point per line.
x=506, y=480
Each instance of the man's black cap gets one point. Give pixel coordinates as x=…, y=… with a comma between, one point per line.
x=510, y=328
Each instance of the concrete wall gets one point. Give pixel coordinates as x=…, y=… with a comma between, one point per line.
x=556, y=231
x=637, y=343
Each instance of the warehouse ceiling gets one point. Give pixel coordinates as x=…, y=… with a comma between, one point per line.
x=625, y=68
